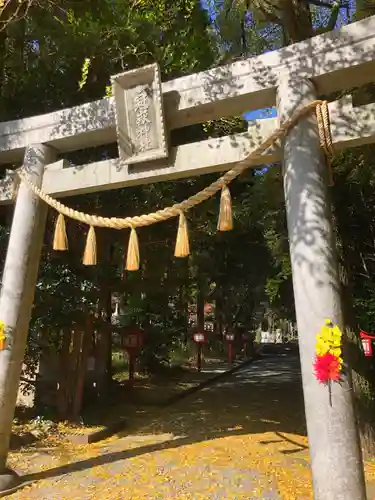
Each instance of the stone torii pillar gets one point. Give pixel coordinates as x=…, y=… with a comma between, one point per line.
x=17, y=293
x=336, y=458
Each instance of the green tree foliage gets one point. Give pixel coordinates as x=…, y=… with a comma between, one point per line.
x=42, y=54
x=58, y=54
x=252, y=26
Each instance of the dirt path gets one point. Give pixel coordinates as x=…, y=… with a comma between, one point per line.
x=243, y=438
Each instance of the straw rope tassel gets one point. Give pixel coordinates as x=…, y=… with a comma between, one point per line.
x=208, y=192
x=89, y=257
x=60, y=239
x=325, y=139
x=182, y=248
x=225, y=222
x=132, y=259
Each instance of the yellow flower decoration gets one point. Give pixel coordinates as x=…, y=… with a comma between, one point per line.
x=329, y=340
x=321, y=347
x=336, y=336
x=326, y=333
x=336, y=351
x=328, y=353
x=2, y=336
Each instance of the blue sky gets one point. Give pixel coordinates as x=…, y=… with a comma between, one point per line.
x=252, y=115
x=270, y=112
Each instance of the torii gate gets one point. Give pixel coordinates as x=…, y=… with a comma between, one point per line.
x=289, y=77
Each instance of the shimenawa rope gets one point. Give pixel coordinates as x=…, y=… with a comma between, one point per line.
x=175, y=210
x=182, y=248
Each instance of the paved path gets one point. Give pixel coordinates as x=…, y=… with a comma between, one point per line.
x=243, y=439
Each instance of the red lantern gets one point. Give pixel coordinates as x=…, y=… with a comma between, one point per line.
x=367, y=347
x=229, y=337
x=367, y=339
x=199, y=338
x=132, y=339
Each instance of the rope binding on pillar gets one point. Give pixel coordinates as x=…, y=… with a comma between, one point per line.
x=182, y=248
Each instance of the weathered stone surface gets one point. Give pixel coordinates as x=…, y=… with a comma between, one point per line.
x=350, y=127
x=139, y=114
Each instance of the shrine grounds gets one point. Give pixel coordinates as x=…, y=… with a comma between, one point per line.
x=243, y=437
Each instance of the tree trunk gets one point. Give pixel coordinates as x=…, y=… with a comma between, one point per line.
x=219, y=312
x=62, y=395
x=3, y=46
x=184, y=309
x=200, y=303
x=82, y=370
x=296, y=21
x=104, y=351
x=73, y=367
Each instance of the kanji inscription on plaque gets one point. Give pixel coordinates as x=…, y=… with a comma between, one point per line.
x=140, y=121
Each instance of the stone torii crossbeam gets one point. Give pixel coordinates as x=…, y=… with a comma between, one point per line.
x=140, y=116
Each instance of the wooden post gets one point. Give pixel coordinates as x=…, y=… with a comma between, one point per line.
x=17, y=292
x=199, y=357
x=335, y=452
x=131, y=357
x=62, y=393
x=73, y=368
x=82, y=371
x=230, y=352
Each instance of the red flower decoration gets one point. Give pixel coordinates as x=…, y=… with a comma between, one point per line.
x=327, y=367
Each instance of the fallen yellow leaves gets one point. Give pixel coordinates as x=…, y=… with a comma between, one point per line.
x=257, y=457
x=238, y=440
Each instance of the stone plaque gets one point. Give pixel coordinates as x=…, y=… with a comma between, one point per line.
x=140, y=124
